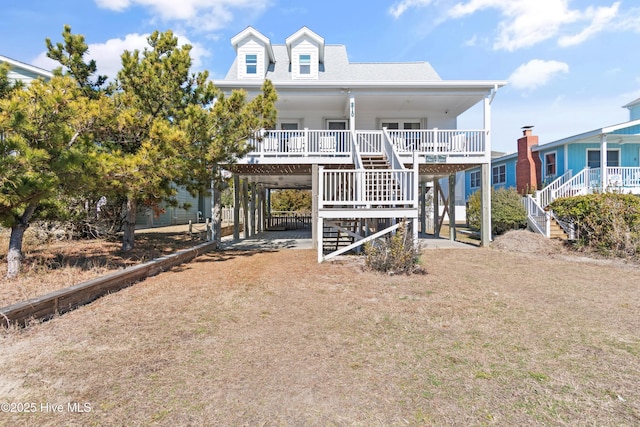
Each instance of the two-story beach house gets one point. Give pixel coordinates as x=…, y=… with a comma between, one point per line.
x=368, y=139
x=604, y=159
x=19, y=71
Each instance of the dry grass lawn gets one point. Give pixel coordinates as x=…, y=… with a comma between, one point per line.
x=511, y=336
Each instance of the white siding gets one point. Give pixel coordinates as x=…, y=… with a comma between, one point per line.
x=252, y=46
x=304, y=46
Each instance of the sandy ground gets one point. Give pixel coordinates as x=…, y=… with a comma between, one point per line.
x=520, y=334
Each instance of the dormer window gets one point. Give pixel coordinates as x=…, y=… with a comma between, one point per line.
x=252, y=64
x=305, y=64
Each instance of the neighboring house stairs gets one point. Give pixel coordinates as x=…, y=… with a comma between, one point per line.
x=589, y=180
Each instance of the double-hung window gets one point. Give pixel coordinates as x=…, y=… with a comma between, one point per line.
x=593, y=158
x=252, y=63
x=305, y=64
x=499, y=174
x=475, y=179
x=550, y=164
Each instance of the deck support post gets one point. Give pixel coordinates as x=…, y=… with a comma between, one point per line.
x=216, y=209
x=436, y=208
x=236, y=207
x=315, y=177
x=452, y=206
x=260, y=224
x=253, y=210
x=485, y=209
x=485, y=171
x=245, y=207
x=423, y=208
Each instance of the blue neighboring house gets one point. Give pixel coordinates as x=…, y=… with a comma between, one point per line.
x=568, y=167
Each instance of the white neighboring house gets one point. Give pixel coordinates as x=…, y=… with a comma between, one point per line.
x=369, y=139
x=20, y=71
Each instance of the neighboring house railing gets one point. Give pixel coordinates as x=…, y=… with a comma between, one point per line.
x=623, y=177
x=537, y=218
x=545, y=196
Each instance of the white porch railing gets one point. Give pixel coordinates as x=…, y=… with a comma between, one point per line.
x=367, y=189
x=461, y=142
x=623, y=178
x=369, y=141
x=338, y=143
x=283, y=143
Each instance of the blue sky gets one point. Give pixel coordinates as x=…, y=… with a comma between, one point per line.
x=570, y=64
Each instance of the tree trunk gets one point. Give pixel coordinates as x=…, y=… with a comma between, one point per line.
x=14, y=256
x=129, y=225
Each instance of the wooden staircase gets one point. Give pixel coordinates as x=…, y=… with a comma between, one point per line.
x=556, y=231
x=334, y=239
x=375, y=162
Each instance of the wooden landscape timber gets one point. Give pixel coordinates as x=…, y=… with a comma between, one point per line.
x=64, y=300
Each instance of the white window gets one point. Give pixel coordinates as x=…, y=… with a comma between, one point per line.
x=338, y=124
x=400, y=124
x=475, y=179
x=550, y=164
x=252, y=63
x=305, y=64
x=499, y=174
x=593, y=158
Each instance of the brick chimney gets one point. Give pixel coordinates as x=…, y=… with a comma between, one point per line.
x=528, y=166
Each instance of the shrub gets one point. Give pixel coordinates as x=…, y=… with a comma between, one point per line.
x=608, y=223
x=393, y=255
x=507, y=211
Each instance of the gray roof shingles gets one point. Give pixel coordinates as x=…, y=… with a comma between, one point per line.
x=337, y=67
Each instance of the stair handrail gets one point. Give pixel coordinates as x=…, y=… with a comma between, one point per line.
x=355, y=153
x=390, y=151
x=544, y=197
x=578, y=181
x=537, y=218
x=567, y=226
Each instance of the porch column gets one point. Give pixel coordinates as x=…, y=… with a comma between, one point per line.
x=485, y=208
x=314, y=204
x=236, y=207
x=436, y=208
x=452, y=206
x=604, y=178
x=352, y=112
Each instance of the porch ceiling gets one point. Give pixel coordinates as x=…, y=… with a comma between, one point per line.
x=371, y=102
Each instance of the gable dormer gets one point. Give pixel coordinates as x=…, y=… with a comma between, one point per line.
x=254, y=53
x=306, y=53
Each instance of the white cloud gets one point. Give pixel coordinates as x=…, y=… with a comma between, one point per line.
x=600, y=19
x=205, y=15
x=107, y=55
x=401, y=7
x=536, y=73
x=525, y=23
